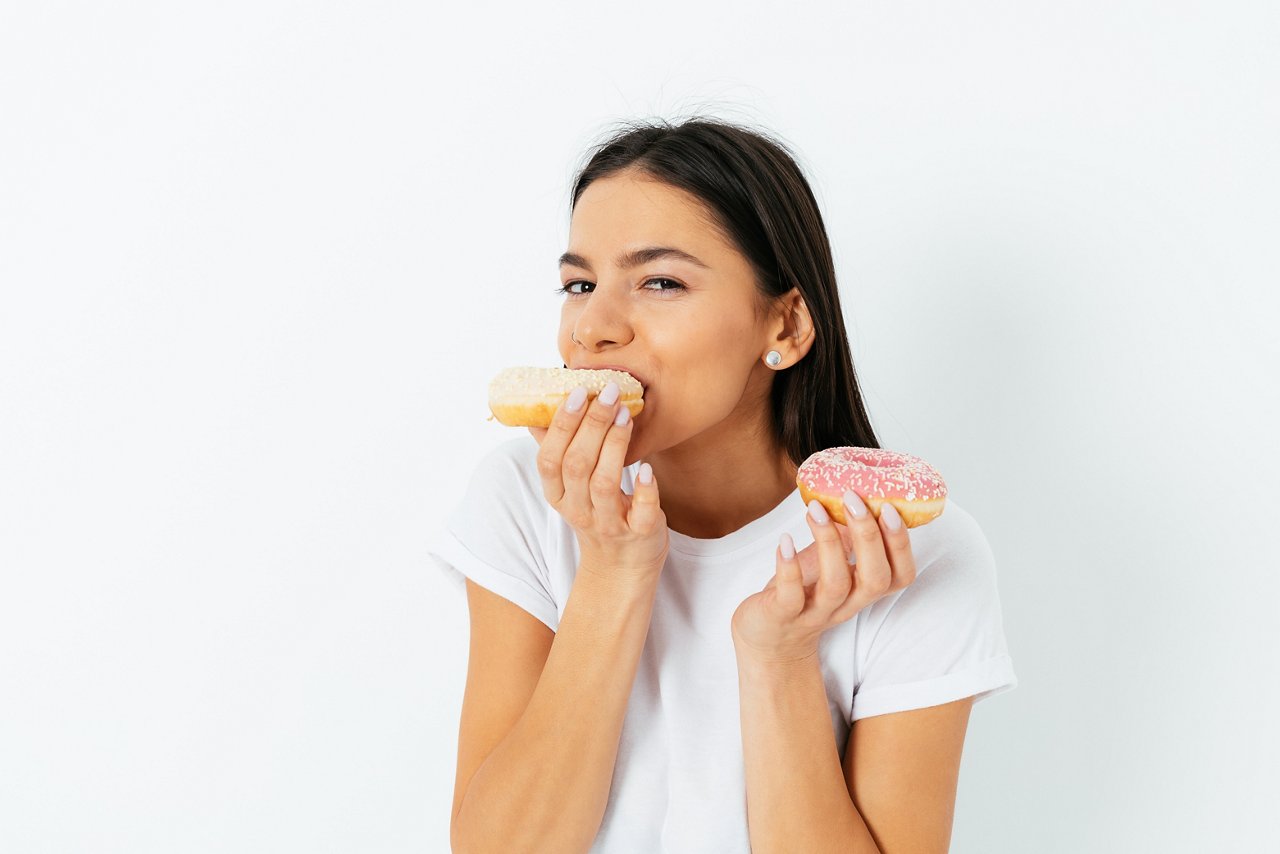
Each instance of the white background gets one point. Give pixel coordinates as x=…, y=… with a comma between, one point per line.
x=260, y=260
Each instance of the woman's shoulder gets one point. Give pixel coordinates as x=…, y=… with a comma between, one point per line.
x=954, y=595
x=515, y=458
x=956, y=539
x=505, y=484
x=503, y=493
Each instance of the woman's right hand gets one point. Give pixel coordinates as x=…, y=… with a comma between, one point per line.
x=580, y=458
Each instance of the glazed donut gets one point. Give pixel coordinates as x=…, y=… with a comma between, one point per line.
x=910, y=484
x=529, y=397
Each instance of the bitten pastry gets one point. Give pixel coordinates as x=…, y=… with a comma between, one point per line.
x=529, y=397
x=910, y=484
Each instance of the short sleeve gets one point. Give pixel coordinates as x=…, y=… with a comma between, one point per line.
x=941, y=638
x=496, y=534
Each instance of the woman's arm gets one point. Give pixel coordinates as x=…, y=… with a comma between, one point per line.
x=546, y=785
x=796, y=794
x=901, y=769
x=897, y=790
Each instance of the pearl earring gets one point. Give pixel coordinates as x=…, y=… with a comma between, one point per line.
x=773, y=359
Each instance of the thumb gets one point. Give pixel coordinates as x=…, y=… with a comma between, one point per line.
x=645, y=509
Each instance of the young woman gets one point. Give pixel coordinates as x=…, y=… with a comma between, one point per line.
x=669, y=651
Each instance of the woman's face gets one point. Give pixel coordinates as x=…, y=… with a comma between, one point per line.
x=685, y=327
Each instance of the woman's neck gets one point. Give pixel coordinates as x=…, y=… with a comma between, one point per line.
x=708, y=493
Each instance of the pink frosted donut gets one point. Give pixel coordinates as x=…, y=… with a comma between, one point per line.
x=909, y=483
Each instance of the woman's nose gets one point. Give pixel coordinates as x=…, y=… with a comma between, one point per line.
x=603, y=321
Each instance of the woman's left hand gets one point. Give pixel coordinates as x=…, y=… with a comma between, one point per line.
x=782, y=623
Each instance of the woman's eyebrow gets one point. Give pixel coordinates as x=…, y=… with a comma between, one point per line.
x=636, y=257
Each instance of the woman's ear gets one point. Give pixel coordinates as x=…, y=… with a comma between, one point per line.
x=793, y=326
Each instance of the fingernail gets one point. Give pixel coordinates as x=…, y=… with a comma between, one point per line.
x=788, y=547
x=624, y=415
x=818, y=512
x=610, y=394
x=889, y=513
x=577, y=397
x=646, y=474
x=855, y=505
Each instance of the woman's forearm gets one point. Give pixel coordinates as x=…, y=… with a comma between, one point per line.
x=546, y=785
x=797, y=799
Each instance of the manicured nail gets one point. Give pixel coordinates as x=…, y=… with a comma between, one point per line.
x=889, y=513
x=646, y=474
x=788, y=547
x=855, y=505
x=624, y=415
x=818, y=512
x=610, y=394
x=577, y=397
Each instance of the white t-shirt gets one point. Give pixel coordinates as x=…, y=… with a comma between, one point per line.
x=679, y=783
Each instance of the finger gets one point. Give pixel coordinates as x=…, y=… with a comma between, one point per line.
x=645, y=512
x=834, y=582
x=898, y=544
x=606, y=481
x=809, y=564
x=846, y=543
x=583, y=454
x=555, y=441
x=788, y=580
x=808, y=556
x=538, y=434
x=807, y=586
x=872, y=573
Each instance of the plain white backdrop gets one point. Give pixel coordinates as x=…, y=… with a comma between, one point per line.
x=260, y=260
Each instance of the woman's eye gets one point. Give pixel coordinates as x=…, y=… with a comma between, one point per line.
x=677, y=285
x=567, y=289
